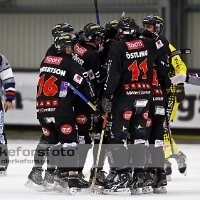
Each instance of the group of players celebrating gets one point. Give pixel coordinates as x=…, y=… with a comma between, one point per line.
x=132, y=83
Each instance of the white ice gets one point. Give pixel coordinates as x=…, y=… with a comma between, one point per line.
x=12, y=186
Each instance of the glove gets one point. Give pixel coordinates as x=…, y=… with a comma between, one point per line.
x=145, y=33
x=106, y=105
x=140, y=30
x=98, y=111
x=179, y=78
x=180, y=93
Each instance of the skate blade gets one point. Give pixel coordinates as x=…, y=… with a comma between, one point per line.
x=136, y=191
x=78, y=191
x=147, y=190
x=3, y=173
x=168, y=177
x=97, y=190
x=59, y=188
x=30, y=184
x=119, y=191
x=49, y=187
x=160, y=190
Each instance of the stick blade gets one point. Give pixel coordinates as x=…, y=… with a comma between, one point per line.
x=180, y=51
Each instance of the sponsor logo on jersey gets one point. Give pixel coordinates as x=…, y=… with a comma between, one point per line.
x=81, y=119
x=136, y=44
x=53, y=60
x=78, y=60
x=127, y=115
x=47, y=103
x=140, y=129
x=77, y=78
x=45, y=131
x=80, y=50
x=81, y=139
x=134, y=86
x=157, y=92
x=149, y=122
x=141, y=92
x=41, y=110
x=159, y=44
x=139, y=141
x=90, y=74
x=158, y=98
x=145, y=115
x=158, y=143
x=66, y=129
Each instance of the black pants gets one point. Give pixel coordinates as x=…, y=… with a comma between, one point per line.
x=4, y=159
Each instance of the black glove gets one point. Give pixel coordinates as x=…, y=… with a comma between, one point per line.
x=180, y=93
x=106, y=105
x=145, y=33
x=140, y=30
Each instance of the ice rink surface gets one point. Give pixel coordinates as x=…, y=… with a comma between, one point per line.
x=12, y=186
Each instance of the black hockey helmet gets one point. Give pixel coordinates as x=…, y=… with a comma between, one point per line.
x=111, y=29
x=64, y=27
x=91, y=31
x=62, y=40
x=127, y=26
x=156, y=21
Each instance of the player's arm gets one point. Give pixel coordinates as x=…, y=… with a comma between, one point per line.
x=179, y=68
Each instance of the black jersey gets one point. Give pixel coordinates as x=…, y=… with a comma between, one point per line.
x=89, y=59
x=53, y=96
x=131, y=66
x=160, y=79
x=51, y=50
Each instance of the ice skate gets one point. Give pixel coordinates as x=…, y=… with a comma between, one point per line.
x=100, y=177
x=159, y=187
x=49, y=180
x=3, y=171
x=168, y=170
x=61, y=182
x=181, y=162
x=118, y=183
x=100, y=181
x=138, y=183
x=148, y=181
x=77, y=184
x=35, y=180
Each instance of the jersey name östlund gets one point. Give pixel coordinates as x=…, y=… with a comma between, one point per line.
x=140, y=92
x=53, y=70
x=53, y=60
x=80, y=50
x=136, y=54
x=136, y=44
